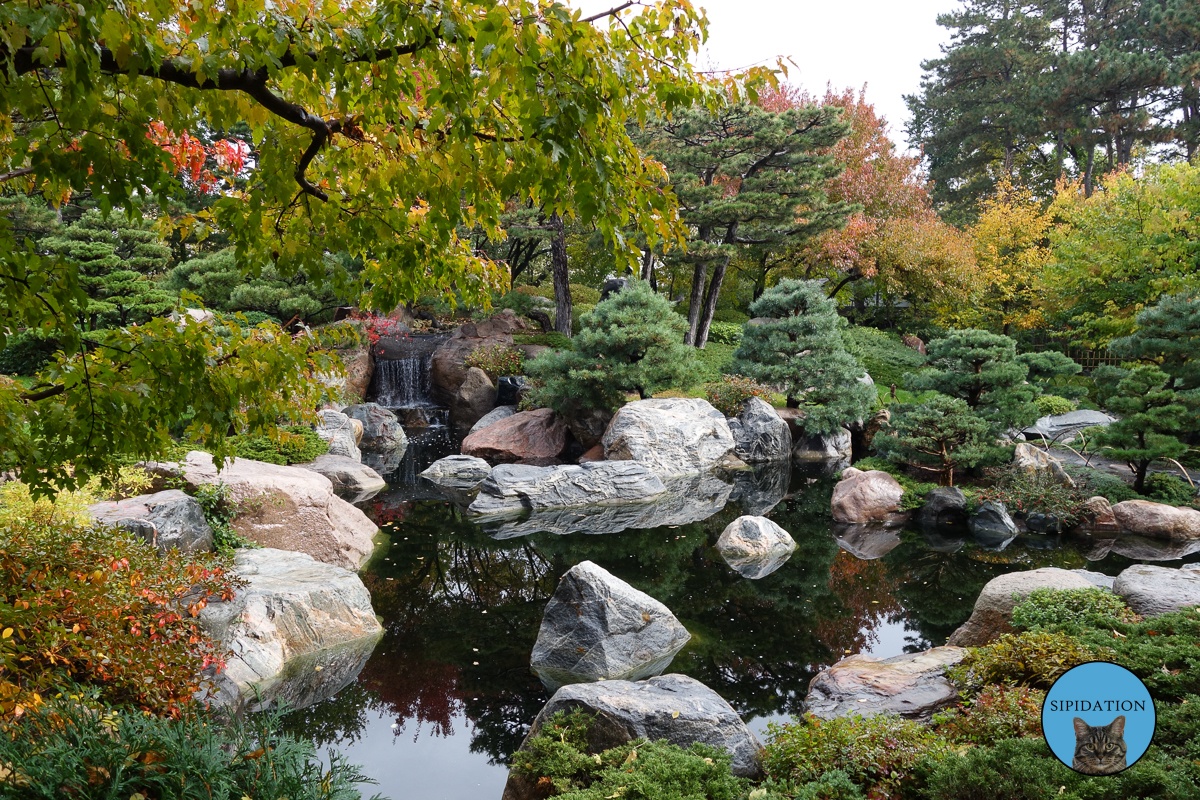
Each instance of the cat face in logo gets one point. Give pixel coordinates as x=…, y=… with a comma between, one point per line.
x=1099, y=749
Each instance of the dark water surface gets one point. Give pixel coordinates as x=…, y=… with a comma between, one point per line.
x=448, y=695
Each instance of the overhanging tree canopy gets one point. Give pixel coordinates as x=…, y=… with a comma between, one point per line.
x=380, y=128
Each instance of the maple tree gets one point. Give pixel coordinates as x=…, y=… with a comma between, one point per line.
x=378, y=129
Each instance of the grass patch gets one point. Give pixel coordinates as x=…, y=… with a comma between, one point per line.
x=553, y=339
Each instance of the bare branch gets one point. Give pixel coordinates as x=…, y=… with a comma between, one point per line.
x=612, y=11
x=16, y=173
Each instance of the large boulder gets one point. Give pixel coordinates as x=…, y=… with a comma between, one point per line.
x=352, y=480
x=597, y=627
x=288, y=508
x=1157, y=521
x=359, y=369
x=992, y=522
x=992, y=615
x=755, y=546
x=527, y=437
x=446, y=369
x=671, y=436
x=514, y=488
x=945, y=508
x=872, y=496
x=676, y=708
x=337, y=429
x=819, y=448
x=759, y=434
x=383, y=440
x=167, y=520
x=1036, y=461
x=1063, y=427
x=1099, y=517
x=911, y=685
x=476, y=396
x=458, y=472
x=1141, y=548
x=495, y=415
x=298, y=630
x=1151, y=590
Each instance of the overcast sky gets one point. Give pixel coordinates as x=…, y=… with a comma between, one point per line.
x=847, y=42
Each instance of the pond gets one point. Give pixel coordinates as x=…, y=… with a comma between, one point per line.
x=448, y=695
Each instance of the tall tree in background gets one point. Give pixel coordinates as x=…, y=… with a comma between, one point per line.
x=746, y=177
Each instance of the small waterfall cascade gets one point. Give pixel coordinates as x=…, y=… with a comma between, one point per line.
x=403, y=382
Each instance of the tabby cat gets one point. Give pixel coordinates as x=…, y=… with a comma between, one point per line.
x=1099, y=749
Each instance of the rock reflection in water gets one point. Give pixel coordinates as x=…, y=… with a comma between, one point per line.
x=761, y=488
x=1142, y=549
x=314, y=677
x=867, y=541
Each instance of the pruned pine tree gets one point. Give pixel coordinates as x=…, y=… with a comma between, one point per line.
x=1151, y=417
x=801, y=350
x=941, y=434
x=746, y=178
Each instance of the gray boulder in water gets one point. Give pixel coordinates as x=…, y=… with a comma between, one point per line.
x=760, y=434
x=495, y=415
x=992, y=526
x=1151, y=590
x=352, y=480
x=671, y=436
x=755, y=546
x=597, y=627
x=169, y=519
x=337, y=429
x=513, y=488
x=676, y=708
x=457, y=472
x=383, y=441
x=834, y=448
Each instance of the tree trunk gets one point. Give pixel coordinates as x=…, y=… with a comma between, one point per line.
x=562, y=279
x=710, y=303
x=698, y=276
x=647, y=264
x=1087, y=175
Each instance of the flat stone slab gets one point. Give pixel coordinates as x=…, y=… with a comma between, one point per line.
x=912, y=686
x=1151, y=590
x=514, y=488
x=1061, y=427
x=598, y=627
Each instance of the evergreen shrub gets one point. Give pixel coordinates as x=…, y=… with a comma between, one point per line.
x=1033, y=658
x=997, y=712
x=1091, y=482
x=297, y=444
x=725, y=332
x=884, y=356
x=497, y=360
x=1167, y=488
x=1049, y=405
x=553, y=339
x=27, y=353
x=1046, y=608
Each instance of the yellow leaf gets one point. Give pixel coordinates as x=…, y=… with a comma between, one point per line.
x=674, y=715
x=7, y=633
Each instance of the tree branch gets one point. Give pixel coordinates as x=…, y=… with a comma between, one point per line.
x=610, y=12
x=53, y=391
x=16, y=173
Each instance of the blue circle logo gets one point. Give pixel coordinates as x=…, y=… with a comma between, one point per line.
x=1098, y=718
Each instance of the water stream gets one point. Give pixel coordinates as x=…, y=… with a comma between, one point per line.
x=447, y=695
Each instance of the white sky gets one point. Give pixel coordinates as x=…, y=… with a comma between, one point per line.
x=847, y=42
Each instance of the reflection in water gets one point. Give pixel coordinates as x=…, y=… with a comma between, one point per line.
x=448, y=692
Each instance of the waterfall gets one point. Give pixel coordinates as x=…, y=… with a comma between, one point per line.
x=403, y=383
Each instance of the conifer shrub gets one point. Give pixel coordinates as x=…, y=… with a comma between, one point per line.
x=1033, y=659
x=876, y=753
x=729, y=394
x=1049, y=405
x=1152, y=417
x=884, y=356
x=802, y=350
x=1052, y=373
x=297, y=444
x=497, y=360
x=725, y=332
x=1160, y=650
x=997, y=712
x=74, y=748
x=27, y=353
x=1046, y=608
x=939, y=435
x=631, y=342
x=1167, y=488
x=1091, y=482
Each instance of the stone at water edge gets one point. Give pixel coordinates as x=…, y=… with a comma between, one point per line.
x=382, y=432
x=597, y=627
x=1151, y=590
x=759, y=433
x=588, y=427
x=531, y=437
x=673, y=707
x=289, y=508
x=754, y=547
x=352, y=480
x=992, y=615
x=169, y=519
x=913, y=686
x=514, y=488
x=866, y=496
x=476, y=396
x=671, y=436
x=1157, y=520
x=991, y=520
x=458, y=472
x=945, y=507
x=836, y=446
x=1101, y=516
x=1097, y=579
x=336, y=428
x=495, y=415
x=299, y=631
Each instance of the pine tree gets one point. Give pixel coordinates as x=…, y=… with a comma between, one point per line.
x=1167, y=334
x=1152, y=417
x=940, y=434
x=1048, y=371
x=120, y=263
x=981, y=368
x=631, y=342
x=746, y=177
x=801, y=349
